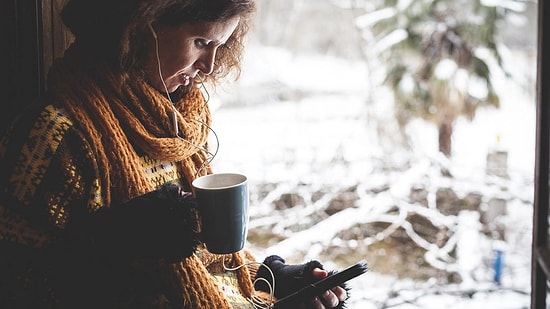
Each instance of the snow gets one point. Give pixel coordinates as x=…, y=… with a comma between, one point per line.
x=336, y=130
x=508, y=4
x=372, y=18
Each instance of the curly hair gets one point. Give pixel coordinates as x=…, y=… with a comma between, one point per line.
x=115, y=31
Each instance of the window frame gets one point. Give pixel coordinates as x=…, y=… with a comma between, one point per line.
x=540, y=253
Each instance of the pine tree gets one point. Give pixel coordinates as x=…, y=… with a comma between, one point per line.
x=432, y=50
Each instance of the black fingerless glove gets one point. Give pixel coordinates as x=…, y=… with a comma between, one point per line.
x=160, y=224
x=289, y=278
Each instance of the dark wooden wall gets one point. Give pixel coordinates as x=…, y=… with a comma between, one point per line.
x=32, y=36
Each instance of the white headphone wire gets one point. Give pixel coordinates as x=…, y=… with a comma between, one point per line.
x=211, y=155
x=256, y=301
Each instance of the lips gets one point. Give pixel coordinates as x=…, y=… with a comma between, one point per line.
x=184, y=79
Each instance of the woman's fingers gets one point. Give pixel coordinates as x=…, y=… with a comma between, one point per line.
x=340, y=293
x=330, y=298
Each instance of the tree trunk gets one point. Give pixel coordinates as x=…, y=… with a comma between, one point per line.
x=445, y=132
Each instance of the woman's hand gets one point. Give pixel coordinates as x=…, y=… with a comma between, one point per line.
x=291, y=278
x=330, y=298
x=163, y=223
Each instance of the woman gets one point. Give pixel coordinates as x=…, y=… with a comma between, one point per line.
x=94, y=210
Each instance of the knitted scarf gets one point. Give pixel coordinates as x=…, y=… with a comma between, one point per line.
x=119, y=113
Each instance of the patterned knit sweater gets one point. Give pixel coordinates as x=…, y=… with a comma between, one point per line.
x=49, y=183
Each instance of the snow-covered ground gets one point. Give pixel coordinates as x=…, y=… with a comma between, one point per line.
x=330, y=114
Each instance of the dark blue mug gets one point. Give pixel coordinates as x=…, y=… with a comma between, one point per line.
x=223, y=205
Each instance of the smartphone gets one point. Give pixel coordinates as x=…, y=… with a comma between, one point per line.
x=322, y=285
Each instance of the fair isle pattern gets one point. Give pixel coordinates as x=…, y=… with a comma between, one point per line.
x=96, y=198
x=37, y=153
x=14, y=228
x=35, y=160
x=227, y=281
x=160, y=172
x=59, y=201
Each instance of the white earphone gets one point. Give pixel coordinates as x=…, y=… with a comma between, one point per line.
x=174, y=112
x=152, y=31
x=174, y=115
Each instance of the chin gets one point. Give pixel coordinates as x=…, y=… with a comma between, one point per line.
x=179, y=93
x=173, y=88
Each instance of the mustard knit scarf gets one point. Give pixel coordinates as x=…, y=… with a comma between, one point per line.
x=118, y=114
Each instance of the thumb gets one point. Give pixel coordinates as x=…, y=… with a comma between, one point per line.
x=319, y=273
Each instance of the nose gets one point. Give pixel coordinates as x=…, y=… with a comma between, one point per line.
x=205, y=63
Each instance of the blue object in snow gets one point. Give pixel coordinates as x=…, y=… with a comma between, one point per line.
x=497, y=266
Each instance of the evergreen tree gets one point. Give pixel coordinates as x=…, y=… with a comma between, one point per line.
x=432, y=51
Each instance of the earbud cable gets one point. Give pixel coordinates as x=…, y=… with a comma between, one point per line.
x=256, y=301
x=175, y=112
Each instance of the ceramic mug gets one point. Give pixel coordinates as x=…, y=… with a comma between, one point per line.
x=223, y=205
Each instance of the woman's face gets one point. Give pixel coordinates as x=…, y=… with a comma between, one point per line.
x=184, y=51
